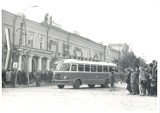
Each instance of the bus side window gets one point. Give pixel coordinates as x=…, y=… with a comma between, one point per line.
x=80, y=67
x=93, y=68
x=105, y=68
x=99, y=68
x=87, y=68
x=74, y=67
x=111, y=69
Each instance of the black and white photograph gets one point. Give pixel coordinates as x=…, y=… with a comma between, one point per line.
x=79, y=56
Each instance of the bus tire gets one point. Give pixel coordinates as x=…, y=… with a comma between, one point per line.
x=91, y=85
x=76, y=84
x=60, y=86
x=105, y=85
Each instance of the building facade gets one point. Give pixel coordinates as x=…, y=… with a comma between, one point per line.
x=112, y=55
x=37, y=46
x=122, y=48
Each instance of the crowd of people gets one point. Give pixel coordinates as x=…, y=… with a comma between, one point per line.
x=10, y=78
x=142, y=81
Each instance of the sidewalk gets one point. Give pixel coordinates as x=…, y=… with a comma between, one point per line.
x=30, y=85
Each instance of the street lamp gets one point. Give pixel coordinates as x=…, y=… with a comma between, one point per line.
x=29, y=7
x=24, y=23
x=21, y=34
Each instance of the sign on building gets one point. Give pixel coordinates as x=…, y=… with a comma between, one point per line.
x=15, y=64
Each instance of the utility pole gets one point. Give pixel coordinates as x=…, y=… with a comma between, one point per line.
x=23, y=24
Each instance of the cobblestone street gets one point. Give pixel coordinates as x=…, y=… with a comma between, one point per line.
x=50, y=98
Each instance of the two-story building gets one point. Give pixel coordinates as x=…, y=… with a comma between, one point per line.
x=37, y=46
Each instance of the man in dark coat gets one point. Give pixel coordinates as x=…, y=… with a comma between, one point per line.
x=24, y=78
x=50, y=77
x=154, y=79
x=31, y=77
x=13, y=76
x=111, y=80
x=149, y=78
x=3, y=78
x=134, y=82
x=19, y=77
x=128, y=76
x=37, y=78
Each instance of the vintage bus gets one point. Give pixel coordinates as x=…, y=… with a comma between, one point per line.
x=75, y=73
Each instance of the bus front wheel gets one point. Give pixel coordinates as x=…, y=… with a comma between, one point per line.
x=91, y=86
x=76, y=84
x=60, y=86
x=105, y=85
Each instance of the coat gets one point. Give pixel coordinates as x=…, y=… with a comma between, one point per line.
x=142, y=75
x=134, y=78
x=8, y=76
x=111, y=79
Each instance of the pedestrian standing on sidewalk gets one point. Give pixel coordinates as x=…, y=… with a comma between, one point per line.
x=50, y=77
x=8, y=78
x=111, y=80
x=142, y=81
x=23, y=77
x=128, y=76
x=37, y=79
x=3, y=78
x=134, y=82
x=19, y=77
x=31, y=77
x=154, y=79
x=13, y=77
x=149, y=78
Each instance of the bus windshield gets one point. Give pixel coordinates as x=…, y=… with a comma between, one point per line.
x=63, y=67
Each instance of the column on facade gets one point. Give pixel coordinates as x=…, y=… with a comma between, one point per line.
x=20, y=62
x=48, y=64
x=30, y=63
x=39, y=63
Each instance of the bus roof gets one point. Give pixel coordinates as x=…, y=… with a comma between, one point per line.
x=86, y=62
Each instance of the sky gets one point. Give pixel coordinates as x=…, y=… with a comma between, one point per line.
x=135, y=22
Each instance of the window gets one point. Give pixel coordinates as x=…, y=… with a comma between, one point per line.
x=41, y=37
x=99, y=68
x=93, y=68
x=87, y=68
x=66, y=49
x=100, y=56
x=74, y=67
x=30, y=40
x=63, y=67
x=80, y=67
x=40, y=43
x=105, y=68
x=53, y=46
